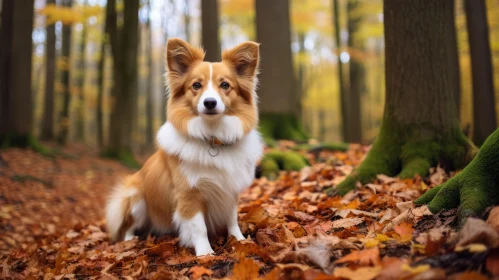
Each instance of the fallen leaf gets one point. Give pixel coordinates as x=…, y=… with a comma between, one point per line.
x=472, y=248
x=363, y=257
x=431, y=274
x=198, y=271
x=386, y=179
x=493, y=219
x=363, y=273
x=477, y=231
x=245, y=269
x=404, y=231
x=346, y=223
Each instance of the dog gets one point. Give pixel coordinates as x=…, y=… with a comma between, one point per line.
x=206, y=155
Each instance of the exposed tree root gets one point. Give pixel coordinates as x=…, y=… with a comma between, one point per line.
x=473, y=189
x=277, y=160
x=405, y=152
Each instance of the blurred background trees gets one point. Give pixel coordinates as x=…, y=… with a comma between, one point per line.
x=95, y=70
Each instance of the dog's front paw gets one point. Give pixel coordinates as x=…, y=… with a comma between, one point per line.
x=204, y=252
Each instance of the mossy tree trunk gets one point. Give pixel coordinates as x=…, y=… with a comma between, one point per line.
x=209, y=30
x=100, y=94
x=484, y=113
x=344, y=96
x=278, y=94
x=124, y=47
x=473, y=189
x=150, y=81
x=420, y=126
x=15, y=74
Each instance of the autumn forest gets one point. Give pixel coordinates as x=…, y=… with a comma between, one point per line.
x=378, y=121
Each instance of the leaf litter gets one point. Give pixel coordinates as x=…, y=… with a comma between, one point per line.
x=51, y=227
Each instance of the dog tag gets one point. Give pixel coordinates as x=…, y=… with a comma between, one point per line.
x=213, y=151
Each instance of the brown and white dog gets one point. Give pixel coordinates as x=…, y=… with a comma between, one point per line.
x=206, y=151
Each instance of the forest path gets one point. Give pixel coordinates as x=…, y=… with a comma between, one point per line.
x=51, y=225
x=43, y=197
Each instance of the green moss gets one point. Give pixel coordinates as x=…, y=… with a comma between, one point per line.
x=409, y=150
x=124, y=156
x=276, y=160
x=473, y=189
x=280, y=126
x=26, y=141
x=339, y=146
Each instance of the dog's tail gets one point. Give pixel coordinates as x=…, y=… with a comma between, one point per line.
x=125, y=212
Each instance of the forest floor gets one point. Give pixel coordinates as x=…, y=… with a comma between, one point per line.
x=51, y=226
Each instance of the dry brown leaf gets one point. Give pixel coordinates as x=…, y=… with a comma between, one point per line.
x=404, y=231
x=477, y=231
x=431, y=274
x=363, y=273
x=245, y=269
x=197, y=271
x=386, y=179
x=363, y=257
x=346, y=223
x=493, y=219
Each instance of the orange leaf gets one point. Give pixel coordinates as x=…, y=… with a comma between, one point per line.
x=198, y=271
x=404, y=231
x=246, y=269
x=364, y=257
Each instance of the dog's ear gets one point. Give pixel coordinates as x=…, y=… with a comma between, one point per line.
x=180, y=56
x=244, y=58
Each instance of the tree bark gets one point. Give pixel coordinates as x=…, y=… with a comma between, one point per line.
x=80, y=117
x=357, y=77
x=124, y=49
x=100, y=95
x=279, y=102
x=344, y=98
x=420, y=126
x=64, y=121
x=209, y=30
x=15, y=74
x=454, y=68
x=48, y=110
x=484, y=114
x=149, y=83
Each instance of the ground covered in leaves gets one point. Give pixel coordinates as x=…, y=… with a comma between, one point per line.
x=51, y=227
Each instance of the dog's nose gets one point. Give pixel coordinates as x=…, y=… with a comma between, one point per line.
x=210, y=103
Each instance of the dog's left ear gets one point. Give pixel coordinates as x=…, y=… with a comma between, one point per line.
x=244, y=58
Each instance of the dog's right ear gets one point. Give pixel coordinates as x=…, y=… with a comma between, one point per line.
x=180, y=56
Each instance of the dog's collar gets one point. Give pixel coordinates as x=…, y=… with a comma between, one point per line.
x=215, y=145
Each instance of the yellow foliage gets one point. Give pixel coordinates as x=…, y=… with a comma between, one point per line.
x=68, y=16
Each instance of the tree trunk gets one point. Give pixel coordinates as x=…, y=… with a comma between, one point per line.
x=100, y=94
x=149, y=84
x=124, y=49
x=209, y=30
x=484, y=114
x=48, y=111
x=344, y=98
x=454, y=68
x=357, y=76
x=278, y=93
x=420, y=126
x=15, y=74
x=80, y=117
x=64, y=120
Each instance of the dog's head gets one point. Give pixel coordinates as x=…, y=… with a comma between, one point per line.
x=212, y=99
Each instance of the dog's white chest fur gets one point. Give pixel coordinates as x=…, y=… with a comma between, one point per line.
x=232, y=169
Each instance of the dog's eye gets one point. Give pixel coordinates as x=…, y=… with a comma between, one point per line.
x=224, y=85
x=197, y=85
